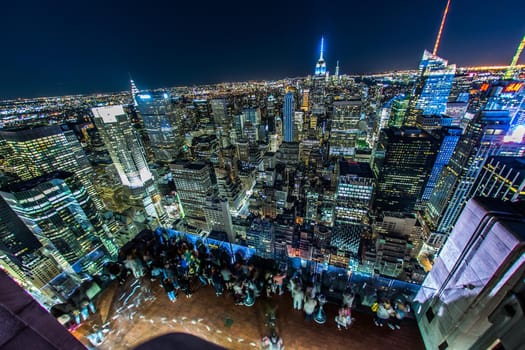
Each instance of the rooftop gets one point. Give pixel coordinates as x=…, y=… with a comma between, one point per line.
x=134, y=315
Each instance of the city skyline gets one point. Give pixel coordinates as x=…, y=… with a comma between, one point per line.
x=72, y=49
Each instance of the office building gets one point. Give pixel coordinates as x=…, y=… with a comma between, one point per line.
x=61, y=215
x=45, y=149
x=354, y=193
x=261, y=236
x=432, y=89
x=162, y=122
x=194, y=183
x=218, y=217
x=484, y=137
x=128, y=156
x=344, y=129
x=449, y=138
x=404, y=159
x=288, y=117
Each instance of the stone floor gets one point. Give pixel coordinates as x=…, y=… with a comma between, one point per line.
x=136, y=312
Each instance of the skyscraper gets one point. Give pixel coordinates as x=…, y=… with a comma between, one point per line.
x=509, y=96
x=354, y=194
x=162, y=124
x=320, y=66
x=46, y=149
x=404, y=159
x=432, y=89
x=128, y=156
x=501, y=178
x=344, y=128
x=484, y=137
x=222, y=121
x=288, y=116
x=449, y=139
x=194, y=185
x=59, y=212
x=22, y=255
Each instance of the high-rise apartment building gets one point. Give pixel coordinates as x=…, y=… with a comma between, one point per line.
x=128, y=156
x=45, y=149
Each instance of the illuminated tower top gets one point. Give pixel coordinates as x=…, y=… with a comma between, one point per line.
x=320, y=67
x=134, y=90
x=337, y=69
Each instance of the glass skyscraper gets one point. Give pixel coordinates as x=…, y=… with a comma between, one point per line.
x=288, y=116
x=60, y=214
x=432, y=89
x=40, y=150
x=162, y=124
x=129, y=159
x=404, y=169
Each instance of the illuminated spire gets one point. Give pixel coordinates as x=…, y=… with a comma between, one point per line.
x=322, y=49
x=438, y=39
x=337, y=69
x=134, y=89
x=320, y=67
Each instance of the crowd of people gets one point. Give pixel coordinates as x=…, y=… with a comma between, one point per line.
x=390, y=315
x=182, y=267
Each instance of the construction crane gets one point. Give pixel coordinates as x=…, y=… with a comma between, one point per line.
x=510, y=71
x=438, y=39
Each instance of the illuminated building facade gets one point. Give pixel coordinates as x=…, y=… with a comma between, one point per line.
x=449, y=139
x=288, y=117
x=344, y=128
x=261, y=236
x=501, y=178
x=404, y=160
x=45, y=149
x=508, y=96
x=129, y=159
x=22, y=254
x=162, y=124
x=432, y=89
x=194, y=184
x=355, y=191
x=59, y=212
x=484, y=137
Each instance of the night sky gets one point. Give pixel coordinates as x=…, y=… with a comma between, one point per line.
x=53, y=48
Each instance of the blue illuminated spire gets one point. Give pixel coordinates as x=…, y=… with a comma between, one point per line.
x=320, y=67
x=322, y=49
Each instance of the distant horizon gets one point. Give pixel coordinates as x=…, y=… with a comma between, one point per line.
x=497, y=66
